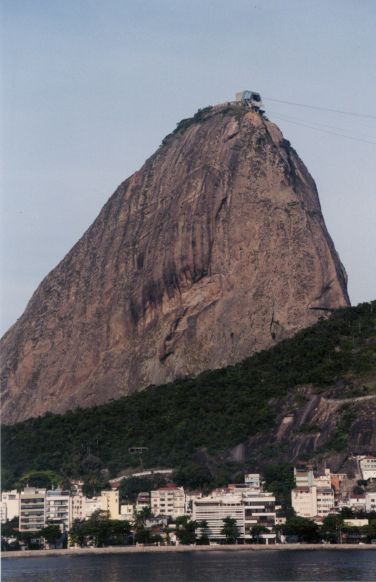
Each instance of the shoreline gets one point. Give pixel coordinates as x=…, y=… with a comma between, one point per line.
x=166, y=549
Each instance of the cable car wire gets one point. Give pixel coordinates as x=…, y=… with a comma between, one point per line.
x=326, y=130
x=352, y=113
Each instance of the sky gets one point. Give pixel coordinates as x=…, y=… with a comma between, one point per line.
x=89, y=88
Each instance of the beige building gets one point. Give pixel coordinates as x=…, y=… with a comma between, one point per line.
x=304, y=501
x=323, y=479
x=110, y=502
x=127, y=512
x=168, y=501
x=77, y=507
x=10, y=505
x=32, y=509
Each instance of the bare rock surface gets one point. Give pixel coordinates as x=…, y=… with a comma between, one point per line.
x=216, y=248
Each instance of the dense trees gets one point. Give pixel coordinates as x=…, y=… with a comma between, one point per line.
x=99, y=530
x=210, y=413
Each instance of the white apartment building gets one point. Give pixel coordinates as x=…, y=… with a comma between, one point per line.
x=368, y=467
x=92, y=504
x=32, y=509
x=215, y=509
x=252, y=480
x=370, y=502
x=10, y=505
x=189, y=499
x=304, y=501
x=168, y=501
x=325, y=501
x=259, y=509
x=58, y=509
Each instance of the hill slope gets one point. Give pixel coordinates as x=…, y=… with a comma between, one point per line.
x=215, y=249
x=312, y=396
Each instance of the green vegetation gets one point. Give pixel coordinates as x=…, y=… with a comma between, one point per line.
x=100, y=531
x=230, y=530
x=190, y=422
x=184, y=124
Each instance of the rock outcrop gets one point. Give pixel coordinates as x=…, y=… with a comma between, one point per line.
x=215, y=249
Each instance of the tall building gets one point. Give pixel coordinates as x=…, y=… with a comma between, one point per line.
x=32, y=509
x=110, y=502
x=259, y=510
x=58, y=509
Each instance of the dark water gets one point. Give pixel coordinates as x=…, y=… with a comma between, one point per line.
x=260, y=566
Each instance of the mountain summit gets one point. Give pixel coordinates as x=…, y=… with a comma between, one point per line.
x=215, y=249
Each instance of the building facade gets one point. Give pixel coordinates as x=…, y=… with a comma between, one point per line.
x=10, y=505
x=168, y=501
x=58, y=509
x=32, y=509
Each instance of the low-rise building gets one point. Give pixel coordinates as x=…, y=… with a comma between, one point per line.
x=370, y=502
x=32, y=509
x=143, y=500
x=127, y=511
x=357, y=501
x=168, y=501
x=92, y=504
x=10, y=505
x=368, y=467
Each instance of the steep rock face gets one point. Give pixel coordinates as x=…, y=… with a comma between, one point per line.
x=215, y=249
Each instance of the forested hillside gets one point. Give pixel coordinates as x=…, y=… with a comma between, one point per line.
x=312, y=396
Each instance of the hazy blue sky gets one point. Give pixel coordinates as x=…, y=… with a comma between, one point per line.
x=90, y=88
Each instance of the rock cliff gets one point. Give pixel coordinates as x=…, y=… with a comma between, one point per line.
x=216, y=248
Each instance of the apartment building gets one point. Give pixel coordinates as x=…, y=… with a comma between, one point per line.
x=58, y=509
x=214, y=510
x=368, y=468
x=32, y=509
x=324, y=500
x=371, y=502
x=77, y=507
x=304, y=501
x=110, y=502
x=10, y=505
x=303, y=476
x=168, y=501
x=259, y=509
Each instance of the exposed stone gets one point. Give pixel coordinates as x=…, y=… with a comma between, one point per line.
x=215, y=249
